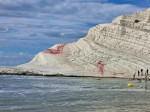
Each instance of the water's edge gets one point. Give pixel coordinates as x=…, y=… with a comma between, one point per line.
x=64, y=94
x=62, y=75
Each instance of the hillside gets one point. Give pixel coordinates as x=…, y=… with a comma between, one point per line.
x=117, y=49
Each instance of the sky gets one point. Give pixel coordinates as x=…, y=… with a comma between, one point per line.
x=28, y=27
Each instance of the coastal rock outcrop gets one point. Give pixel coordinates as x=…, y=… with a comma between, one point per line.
x=117, y=49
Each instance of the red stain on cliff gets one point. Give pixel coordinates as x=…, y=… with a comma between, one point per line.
x=100, y=67
x=58, y=50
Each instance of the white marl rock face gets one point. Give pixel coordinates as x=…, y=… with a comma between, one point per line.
x=117, y=49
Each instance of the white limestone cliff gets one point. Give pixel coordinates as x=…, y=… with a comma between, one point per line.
x=117, y=49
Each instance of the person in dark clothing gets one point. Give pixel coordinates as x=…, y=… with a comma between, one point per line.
x=138, y=73
x=146, y=79
x=147, y=74
x=134, y=75
x=141, y=72
x=147, y=71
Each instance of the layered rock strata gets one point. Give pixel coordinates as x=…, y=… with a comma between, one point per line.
x=117, y=49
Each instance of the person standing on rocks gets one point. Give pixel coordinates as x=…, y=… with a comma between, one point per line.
x=134, y=75
x=147, y=71
x=141, y=72
x=138, y=74
x=146, y=79
x=147, y=74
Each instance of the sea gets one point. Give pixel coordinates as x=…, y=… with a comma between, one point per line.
x=72, y=94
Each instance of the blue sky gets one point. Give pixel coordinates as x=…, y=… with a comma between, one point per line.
x=30, y=26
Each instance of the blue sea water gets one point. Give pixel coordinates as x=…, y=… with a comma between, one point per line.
x=70, y=94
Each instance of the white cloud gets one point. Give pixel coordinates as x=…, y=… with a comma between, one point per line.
x=35, y=25
x=13, y=59
x=21, y=53
x=95, y=11
x=92, y=12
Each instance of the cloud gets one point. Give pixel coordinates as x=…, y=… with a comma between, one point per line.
x=30, y=26
x=78, y=10
x=3, y=29
x=14, y=59
x=92, y=12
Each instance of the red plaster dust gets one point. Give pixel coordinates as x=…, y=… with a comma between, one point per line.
x=58, y=50
x=100, y=67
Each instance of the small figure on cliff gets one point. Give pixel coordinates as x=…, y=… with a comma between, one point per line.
x=138, y=74
x=141, y=72
x=147, y=71
x=134, y=75
x=146, y=79
x=147, y=74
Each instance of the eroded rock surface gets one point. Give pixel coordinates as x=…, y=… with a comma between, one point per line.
x=117, y=49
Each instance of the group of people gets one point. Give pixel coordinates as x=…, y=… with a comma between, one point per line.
x=141, y=74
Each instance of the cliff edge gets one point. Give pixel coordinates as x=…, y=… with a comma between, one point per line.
x=117, y=49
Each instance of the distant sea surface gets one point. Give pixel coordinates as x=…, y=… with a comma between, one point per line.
x=70, y=94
